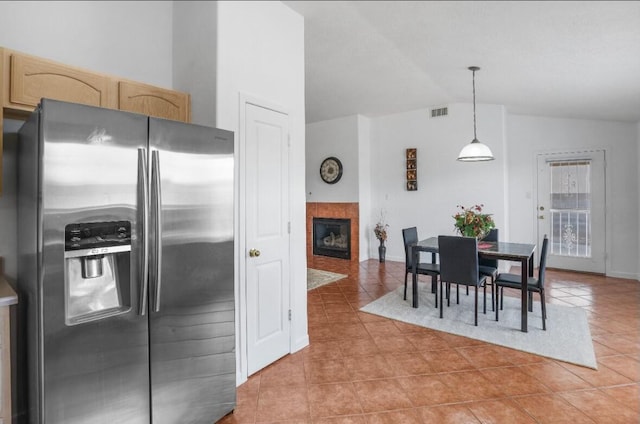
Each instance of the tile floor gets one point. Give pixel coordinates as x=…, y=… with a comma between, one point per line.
x=364, y=369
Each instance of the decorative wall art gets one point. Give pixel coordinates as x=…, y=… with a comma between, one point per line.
x=412, y=169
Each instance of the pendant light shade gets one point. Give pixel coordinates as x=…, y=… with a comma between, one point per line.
x=475, y=151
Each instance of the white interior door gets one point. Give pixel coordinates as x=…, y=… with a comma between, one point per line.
x=571, y=209
x=267, y=236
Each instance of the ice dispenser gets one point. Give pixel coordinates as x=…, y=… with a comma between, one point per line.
x=97, y=270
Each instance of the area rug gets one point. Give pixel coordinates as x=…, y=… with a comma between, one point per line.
x=317, y=278
x=567, y=338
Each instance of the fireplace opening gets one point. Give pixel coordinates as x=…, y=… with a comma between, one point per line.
x=332, y=237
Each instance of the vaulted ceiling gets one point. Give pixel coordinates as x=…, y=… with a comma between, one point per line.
x=576, y=59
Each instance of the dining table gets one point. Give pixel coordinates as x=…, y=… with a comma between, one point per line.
x=507, y=251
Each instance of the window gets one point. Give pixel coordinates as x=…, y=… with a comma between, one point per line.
x=570, y=208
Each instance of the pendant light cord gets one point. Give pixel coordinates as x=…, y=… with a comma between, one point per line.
x=474, y=105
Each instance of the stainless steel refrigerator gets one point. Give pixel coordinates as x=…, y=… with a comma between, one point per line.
x=125, y=271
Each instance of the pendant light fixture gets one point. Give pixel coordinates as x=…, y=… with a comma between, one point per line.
x=475, y=151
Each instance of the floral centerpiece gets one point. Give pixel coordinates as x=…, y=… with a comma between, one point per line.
x=471, y=222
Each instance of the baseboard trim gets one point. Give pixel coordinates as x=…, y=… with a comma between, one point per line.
x=300, y=343
x=625, y=275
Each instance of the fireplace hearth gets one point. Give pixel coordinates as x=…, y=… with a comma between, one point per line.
x=332, y=237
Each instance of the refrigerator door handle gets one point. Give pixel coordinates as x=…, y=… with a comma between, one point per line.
x=143, y=192
x=157, y=217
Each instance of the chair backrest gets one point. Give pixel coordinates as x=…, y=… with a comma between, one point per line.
x=458, y=259
x=543, y=261
x=492, y=236
x=410, y=236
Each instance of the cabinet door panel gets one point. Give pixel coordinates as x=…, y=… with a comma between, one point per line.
x=153, y=101
x=33, y=79
x=5, y=366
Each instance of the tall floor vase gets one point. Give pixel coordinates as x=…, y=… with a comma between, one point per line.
x=382, y=250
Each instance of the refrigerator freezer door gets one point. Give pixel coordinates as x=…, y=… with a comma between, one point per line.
x=93, y=372
x=192, y=327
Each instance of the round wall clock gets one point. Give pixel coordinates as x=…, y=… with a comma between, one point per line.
x=331, y=170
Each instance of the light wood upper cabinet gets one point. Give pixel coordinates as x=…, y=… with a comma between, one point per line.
x=153, y=101
x=26, y=79
x=33, y=78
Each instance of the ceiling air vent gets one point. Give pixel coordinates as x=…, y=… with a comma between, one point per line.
x=443, y=111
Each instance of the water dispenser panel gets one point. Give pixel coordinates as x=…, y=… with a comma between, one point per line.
x=96, y=238
x=97, y=270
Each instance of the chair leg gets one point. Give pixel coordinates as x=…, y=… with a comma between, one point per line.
x=497, y=309
x=458, y=293
x=467, y=290
x=501, y=297
x=544, y=310
x=493, y=305
x=441, y=299
x=484, y=301
x=530, y=301
x=405, y=284
x=476, y=308
x=434, y=288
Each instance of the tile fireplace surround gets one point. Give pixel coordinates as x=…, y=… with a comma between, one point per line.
x=332, y=210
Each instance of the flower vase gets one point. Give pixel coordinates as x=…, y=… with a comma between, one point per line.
x=382, y=250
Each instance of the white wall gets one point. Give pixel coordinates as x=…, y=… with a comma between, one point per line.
x=529, y=135
x=338, y=138
x=348, y=139
x=131, y=39
x=261, y=55
x=194, y=56
x=443, y=182
x=638, y=162
x=365, y=174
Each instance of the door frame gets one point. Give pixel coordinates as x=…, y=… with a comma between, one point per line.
x=241, y=233
x=607, y=188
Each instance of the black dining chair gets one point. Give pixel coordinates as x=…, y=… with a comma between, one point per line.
x=459, y=265
x=489, y=267
x=410, y=237
x=514, y=281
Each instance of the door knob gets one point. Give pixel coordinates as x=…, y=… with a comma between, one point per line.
x=541, y=208
x=254, y=253
x=541, y=217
